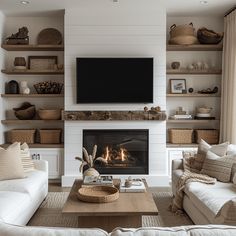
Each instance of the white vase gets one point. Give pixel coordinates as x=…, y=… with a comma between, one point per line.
x=91, y=172
x=24, y=89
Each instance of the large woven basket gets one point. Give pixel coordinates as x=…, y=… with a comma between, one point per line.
x=211, y=136
x=21, y=135
x=99, y=194
x=50, y=136
x=179, y=136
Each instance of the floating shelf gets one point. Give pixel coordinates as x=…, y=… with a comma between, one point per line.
x=32, y=95
x=27, y=122
x=33, y=47
x=38, y=145
x=191, y=121
x=192, y=95
x=187, y=145
x=196, y=47
x=32, y=72
x=193, y=72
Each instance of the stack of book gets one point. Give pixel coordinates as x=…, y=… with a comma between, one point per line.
x=89, y=181
x=181, y=117
x=137, y=186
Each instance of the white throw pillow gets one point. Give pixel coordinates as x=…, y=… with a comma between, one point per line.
x=26, y=159
x=10, y=163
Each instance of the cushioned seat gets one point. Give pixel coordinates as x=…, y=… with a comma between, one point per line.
x=176, y=174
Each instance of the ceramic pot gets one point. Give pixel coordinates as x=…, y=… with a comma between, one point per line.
x=19, y=61
x=91, y=172
x=24, y=89
x=12, y=87
x=175, y=65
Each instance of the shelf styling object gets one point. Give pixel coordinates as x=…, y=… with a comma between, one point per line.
x=182, y=35
x=50, y=136
x=204, y=110
x=21, y=37
x=21, y=135
x=50, y=36
x=19, y=63
x=26, y=111
x=24, y=89
x=175, y=65
x=42, y=63
x=48, y=87
x=49, y=114
x=98, y=194
x=211, y=136
x=12, y=87
x=180, y=136
x=206, y=36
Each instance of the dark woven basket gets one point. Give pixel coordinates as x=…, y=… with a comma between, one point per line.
x=206, y=36
x=48, y=88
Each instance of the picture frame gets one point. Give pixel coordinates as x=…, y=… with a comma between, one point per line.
x=177, y=86
x=42, y=62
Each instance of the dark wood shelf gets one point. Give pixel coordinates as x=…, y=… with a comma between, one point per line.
x=38, y=145
x=32, y=72
x=33, y=47
x=193, y=72
x=192, y=95
x=196, y=47
x=27, y=122
x=32, y=95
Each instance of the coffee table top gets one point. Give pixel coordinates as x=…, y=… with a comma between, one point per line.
x=126, y=204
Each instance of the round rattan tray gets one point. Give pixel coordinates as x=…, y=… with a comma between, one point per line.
x=99, y=194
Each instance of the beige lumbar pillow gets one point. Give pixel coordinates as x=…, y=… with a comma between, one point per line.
x=27, y=162
x=10, y=163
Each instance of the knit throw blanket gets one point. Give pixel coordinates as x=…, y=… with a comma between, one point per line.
x=187, y=177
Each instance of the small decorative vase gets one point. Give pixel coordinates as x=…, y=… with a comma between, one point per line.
x=91, y=172
x=24, y=89
x=12, y=87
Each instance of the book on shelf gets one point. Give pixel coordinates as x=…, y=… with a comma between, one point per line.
x=136, y=187
x=181, y=117
x=97, y=180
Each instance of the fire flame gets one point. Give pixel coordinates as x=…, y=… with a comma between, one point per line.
x=107, y=154
x=121, y=154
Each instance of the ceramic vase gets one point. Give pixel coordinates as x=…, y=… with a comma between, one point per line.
x=24, y=89
x=91, y=172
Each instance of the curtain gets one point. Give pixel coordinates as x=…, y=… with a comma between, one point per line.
x=228, y=99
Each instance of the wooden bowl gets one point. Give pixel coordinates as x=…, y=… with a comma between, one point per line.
x=49, y=114
x=98, y=194
x=25, y=112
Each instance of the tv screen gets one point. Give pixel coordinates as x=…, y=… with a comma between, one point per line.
x=114, y=80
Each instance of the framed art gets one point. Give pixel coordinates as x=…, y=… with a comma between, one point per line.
x=177, y=85
x=42, y=62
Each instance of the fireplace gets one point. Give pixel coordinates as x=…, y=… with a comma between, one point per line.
x=124, y=151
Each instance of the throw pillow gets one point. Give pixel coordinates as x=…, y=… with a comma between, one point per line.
x=10, y=163
x=218, y=167
x=234, y=179
x=26, y=159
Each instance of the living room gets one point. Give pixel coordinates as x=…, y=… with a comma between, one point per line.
x=132, y=88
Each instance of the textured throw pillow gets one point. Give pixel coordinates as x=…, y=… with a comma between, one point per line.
x=218, y=167
x=26, y=159
x=10, y=163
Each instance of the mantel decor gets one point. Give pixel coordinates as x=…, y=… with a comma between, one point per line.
x=114, y=115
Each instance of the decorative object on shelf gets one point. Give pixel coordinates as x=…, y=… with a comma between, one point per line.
x=60, y=67
x=50, y=36
x=21, y=37
x=177, y=85
x=21, y=135
x=209, y=91
x=88, y=162
x=204, y=112
x=49, y=114
x=24, y=89
x=42, y=62
x=175, y=65
x=25, y=112
x=145, y=109
x=180, y=114
x=180, y=136
x=190, y=90
x=50, y=136
x=48, y=87
x=180, y=111
x=19, y=63
x=182, y=35
x=12, y=87
x=211, y=136
x=206, y=36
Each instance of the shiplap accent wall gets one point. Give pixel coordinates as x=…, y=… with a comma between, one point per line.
x=116, y=31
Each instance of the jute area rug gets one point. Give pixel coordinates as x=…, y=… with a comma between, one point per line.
x=49, y=213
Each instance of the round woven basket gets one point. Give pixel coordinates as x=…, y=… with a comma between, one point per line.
x=49, y=114
x=98, y=194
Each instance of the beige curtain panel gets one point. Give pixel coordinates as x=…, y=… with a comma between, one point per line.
x=228, y=102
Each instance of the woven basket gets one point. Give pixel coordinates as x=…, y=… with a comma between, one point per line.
x=211, y=136
x=99, y=194
x=21, y=135
x=179, y=136
x=50, y=136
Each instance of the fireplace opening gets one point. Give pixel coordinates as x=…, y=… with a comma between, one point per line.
x=123, y=151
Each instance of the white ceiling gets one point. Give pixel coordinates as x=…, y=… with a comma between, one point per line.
x=173, y=7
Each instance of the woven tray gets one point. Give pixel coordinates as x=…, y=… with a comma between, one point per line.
x=99, y=194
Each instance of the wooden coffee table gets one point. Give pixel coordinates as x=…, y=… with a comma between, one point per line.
x=127, y=211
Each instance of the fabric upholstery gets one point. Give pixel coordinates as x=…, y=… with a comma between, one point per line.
x=26, y=159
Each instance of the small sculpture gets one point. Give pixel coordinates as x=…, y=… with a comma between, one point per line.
x=21, y=37
x=24, y=89
x=175, y=65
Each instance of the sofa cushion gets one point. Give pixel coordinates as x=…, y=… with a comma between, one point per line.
x=12, y=205
x=10, y=163
x=31, y=184
x=219, y=149
x=210, y=198
x=26, y=159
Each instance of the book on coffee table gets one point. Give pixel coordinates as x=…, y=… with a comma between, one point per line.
x=98, y=180
x=136, y=187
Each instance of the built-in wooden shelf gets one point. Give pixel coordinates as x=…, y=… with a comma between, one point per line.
x=192, y=72
x=33, y=47
x=192, y=95
x=28, y=122
x=32, y=72
x=196, y=47
x=191, y=121
x=32, y=95
x=187, y=145
x=38, y=145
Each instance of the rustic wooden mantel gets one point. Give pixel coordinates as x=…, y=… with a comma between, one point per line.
x=114, y=115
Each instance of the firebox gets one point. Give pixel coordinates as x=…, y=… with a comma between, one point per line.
x=124, y=151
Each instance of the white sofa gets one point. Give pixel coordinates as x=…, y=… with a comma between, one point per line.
x=20, y=198
x=202, y=201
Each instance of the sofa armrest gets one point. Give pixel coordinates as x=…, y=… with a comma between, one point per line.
x=177, y=164
x=41, y=165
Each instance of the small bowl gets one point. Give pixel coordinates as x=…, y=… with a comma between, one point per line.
x=50, y=114
x=204, y=110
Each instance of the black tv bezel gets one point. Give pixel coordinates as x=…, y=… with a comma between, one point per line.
x=114, y=102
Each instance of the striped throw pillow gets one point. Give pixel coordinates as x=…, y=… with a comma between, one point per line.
x=26, y=159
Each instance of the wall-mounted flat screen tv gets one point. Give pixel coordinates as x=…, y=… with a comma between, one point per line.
x=114, y=80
